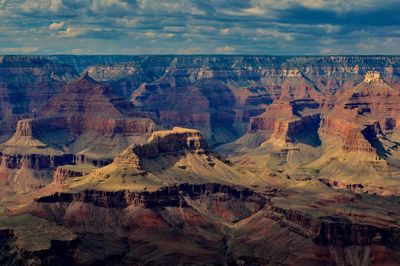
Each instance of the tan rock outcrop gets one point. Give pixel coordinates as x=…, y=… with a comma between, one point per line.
x=164, y=142
x=372, y=76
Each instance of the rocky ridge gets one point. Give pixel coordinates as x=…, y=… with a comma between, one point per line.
x=312, y=175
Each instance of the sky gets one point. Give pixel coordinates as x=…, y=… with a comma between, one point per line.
x=281, y=27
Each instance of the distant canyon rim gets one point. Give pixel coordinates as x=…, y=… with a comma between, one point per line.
x=199, y=160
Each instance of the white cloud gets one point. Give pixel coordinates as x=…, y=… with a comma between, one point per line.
x=328, y=41
x=225, y=31
x=170, y=7
x=110, y=7
x=71, y=32
x=100, y=5
x=257, y=34
x=326, y=51
x=329, y=28
x=150, y=34
x=378, y=45
x=177, y=29
x=236, y=31
x=225, y=49
x=276, y=34
x=167, y=35
x=31, y=6
x=127, y=23
x=56, y=25
x=183, y=26
x=19, y=50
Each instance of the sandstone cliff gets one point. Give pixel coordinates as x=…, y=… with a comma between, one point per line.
x=169, y=157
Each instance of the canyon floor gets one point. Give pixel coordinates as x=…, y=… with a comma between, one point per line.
x=199, y=160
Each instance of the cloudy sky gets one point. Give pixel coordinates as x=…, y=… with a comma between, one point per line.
x=199, y=27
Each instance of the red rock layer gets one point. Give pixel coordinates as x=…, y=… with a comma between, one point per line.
x=34, y=161
x=49, y=162
x=63, y=174
x=363, y=113
x=86, y=105
x=175, y=106
x=275, y=112
x=26, y=83
x=289, y=130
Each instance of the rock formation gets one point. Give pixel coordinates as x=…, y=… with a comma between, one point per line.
x=26, y=83
x=372, y=76
x=173, y=210
x=308, y=173
x=57, y=134
x=169, y=157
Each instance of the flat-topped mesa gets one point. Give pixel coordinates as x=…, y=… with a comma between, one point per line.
x=355, y=138
x=111, y=71
x=171, y=142
x=372, y=76
x=334, y=127
x=355, y=141
x=289, y=131
x=267, y=120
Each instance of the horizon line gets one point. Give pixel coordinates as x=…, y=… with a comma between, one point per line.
x=211, y=54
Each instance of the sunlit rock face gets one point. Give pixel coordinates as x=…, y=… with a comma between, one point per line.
x=372, y=76
x=64, y=132
x=175, y=160
x=215, y=94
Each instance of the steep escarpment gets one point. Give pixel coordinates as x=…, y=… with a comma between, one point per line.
x=355, y=244
x=360, y=134
x=353, y=138
x=32, y=171
x=173, y=196
x=26, y=83
x=310, y=175
x=172, y=141
x=243, y=83
x=81, y=107
x=221, y=107
x=66, y=172
x=337, y=231
x=84, y=123
x=185, y=107
x=287, y=130
x=35, y=161
x=169, y=212
x=349, y=138
x=169, y=157
x=178, y=209
x=85, y=95
x=22, y=242
x=325, y=230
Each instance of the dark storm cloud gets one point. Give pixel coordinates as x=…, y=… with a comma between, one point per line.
x=381, y=16
x=192, y=26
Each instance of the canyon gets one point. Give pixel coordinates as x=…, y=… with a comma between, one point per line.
x=223, y=160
